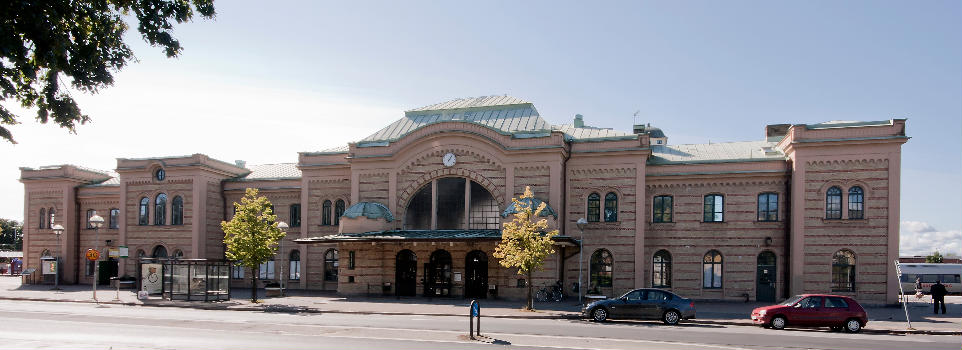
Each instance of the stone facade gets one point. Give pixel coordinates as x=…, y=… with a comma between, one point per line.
x=497, y=147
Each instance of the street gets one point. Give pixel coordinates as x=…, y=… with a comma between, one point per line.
x=34, y=325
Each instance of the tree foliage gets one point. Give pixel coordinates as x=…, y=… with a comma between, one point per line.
x=11, y=235
x=935, y=258
x=252, y=235
x=524, y=243
x=45, y=45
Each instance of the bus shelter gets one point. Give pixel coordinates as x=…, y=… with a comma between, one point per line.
x=194, y=279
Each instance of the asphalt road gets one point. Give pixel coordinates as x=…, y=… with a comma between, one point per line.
x=48, y=325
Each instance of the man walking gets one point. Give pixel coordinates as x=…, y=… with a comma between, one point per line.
x=938, y=296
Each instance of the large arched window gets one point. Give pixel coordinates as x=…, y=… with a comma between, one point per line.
x=330, y=265
x=843, y=271
x=833, y=203
x=452, y=203
x=856, y=203
x=326, y=213
x=160, y=210
x=114, y=218
x=177, y=211
x=611, y=207
x=661, y=270
x=768, y=207
x=712, y=270
x=594, y=207
x=295, y=215
x=714, y=208
x=295, y=265
x=143, y=213
x=159, y=252
x=338, y=211
x=600, y=269
x=43, y=218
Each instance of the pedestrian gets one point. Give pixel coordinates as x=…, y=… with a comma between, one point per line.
x=938, y=296
x=918, y=285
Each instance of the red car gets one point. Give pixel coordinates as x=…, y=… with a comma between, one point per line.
x=813, y=310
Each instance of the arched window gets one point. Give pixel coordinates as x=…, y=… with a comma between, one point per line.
x=768, y=207
x=856, y=203
x=714, y=208
x=326, y=213
x=52, y=213
x=594, y=207
x=295, y=215
x=178, y=254
x=712, y=270
x=143, y=214
x=843, y=271
x=90, y=214
x=177, y=211
x=43, y=218
x=159, y=252
x=114, y=218
x=266, y=270
x=338, y=211
x=661, y=209
x=295, y=265
x=141, y=254
x=611, y=207
x=160, y=210
x=833, y=203
x=600, y=269
x=330, y=265
x=661, y=270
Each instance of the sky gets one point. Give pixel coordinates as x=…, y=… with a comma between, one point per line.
x=265, y=80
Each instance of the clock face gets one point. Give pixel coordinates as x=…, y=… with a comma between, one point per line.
x=449, y=159
x=160, y=174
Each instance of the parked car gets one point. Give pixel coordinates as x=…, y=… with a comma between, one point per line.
x=813, y=310
x=645, y=303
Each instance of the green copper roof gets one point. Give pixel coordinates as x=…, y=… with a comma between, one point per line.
x=369, y=210
x=533, y=203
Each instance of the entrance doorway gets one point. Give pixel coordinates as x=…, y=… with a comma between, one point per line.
x=438, y=274
x=476, y=275
x=406, y=273
x=765, y=278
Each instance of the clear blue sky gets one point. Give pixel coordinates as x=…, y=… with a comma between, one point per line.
x=700, y=70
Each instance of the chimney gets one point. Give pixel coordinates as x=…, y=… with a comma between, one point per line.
x=579, y=121
x=240, y=164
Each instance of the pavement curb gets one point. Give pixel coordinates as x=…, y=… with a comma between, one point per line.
x=570, y=316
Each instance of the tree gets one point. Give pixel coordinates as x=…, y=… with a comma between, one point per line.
x=46, y=44
x=252, y=235
x=11, y=235
x=935, y=258
x=524, y=243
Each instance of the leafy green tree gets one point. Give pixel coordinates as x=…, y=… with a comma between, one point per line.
x=935, y=258
x=252, y=235
x=45, y=45
x=524, y=243
x=11, y=235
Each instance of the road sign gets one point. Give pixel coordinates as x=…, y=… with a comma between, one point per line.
x=475, y=309
x=93, y=255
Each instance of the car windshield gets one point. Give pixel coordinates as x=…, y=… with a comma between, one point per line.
x=791, y=301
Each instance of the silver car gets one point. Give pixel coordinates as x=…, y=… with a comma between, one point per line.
x=645, y=303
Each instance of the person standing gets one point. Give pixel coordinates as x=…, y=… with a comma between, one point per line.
x=938, y=292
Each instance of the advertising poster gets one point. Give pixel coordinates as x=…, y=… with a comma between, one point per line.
x=150, y=278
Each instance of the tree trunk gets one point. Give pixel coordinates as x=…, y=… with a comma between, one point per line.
x=254, y=285
x=530, y=305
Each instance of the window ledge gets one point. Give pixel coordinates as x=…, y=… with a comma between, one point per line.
x=845, y=221
x=714, y=222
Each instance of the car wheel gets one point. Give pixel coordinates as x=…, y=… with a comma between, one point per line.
x=671, y=317
x=779, y=322
x=853, y=326
x=599, y=314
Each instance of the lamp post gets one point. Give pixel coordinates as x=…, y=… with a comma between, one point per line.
x=96, y=221
x=280, y=246
x=581, y=249
x=58, y=231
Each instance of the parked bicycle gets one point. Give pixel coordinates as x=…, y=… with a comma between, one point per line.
x=553, y=293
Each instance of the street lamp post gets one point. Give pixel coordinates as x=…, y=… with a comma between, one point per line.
x=58, y=231
x=581, y=248
x=96, y=221
x=280, y=246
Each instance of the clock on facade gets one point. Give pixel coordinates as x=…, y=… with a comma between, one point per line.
x=160, y=174
x=449, y=159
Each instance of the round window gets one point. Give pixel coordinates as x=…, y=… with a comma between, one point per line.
x=160, y=174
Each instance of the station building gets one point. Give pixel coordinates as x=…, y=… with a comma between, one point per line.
x=415, y=209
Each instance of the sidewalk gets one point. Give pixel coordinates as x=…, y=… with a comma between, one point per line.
x=881, y=319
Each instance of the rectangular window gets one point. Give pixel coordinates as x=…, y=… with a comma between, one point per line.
x=114, y=218
x=266, y=270
x=661, y=209
x=295, y=270
x=843, y=278
x=712, y=276
x=350, y=260
x=714, y=208
x=237, y=271
x=768, y=207
x=90, y=214
x=295, y=215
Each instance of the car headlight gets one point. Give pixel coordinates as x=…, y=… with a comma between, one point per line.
x=762, y=313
